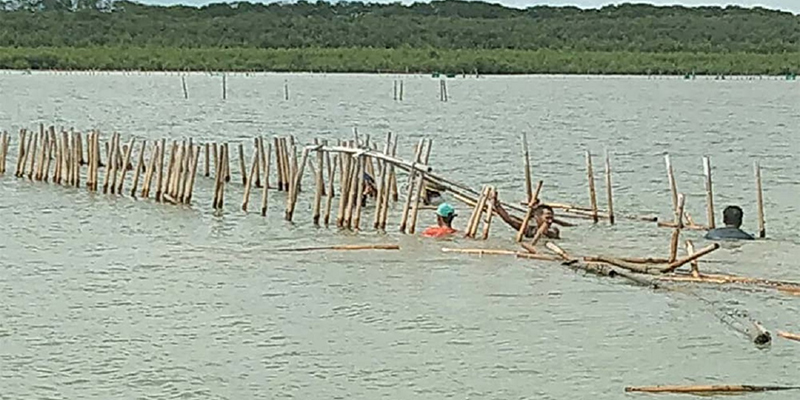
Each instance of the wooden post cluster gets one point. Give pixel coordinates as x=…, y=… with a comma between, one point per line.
x=485, y=203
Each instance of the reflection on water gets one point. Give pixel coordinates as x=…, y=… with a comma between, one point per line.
x=107, y=297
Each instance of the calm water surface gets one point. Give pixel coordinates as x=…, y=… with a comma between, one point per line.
x=110, y=297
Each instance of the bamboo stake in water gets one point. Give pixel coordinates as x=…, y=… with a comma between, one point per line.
x=382, y=186
x=249, y=182
x=139, y=165
x=355, y=168
x=227, y=163
x=592, y=192
x=126, y=159
x=673, y=248
x=21, y=155
x=490, y=211
x=187, y=194
x=33, y=155
x=183, y=84
x=224, y=86
x=420, y=185
x=263, y=161
x=225, y=166
x=45, y=140
x=3, y=149
x=297, y=181
x=344, y=186
x=762, y=232
x=257, y=172
x=76, y=160
x=148, y=175
x=695, y=263
x=410, y=192
x=162, y=150
x=330, y=193
x=265, y=189
x=527, y=163
x=242, y=166
x=359, y=192
x=392, y=185
x=609, y=192
x=672, y=185
x=709, y=193
x=109, y=166
x=320, y=186
x=278, y=168
x=207, y=170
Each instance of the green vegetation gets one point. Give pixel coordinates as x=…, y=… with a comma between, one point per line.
x=453, y=36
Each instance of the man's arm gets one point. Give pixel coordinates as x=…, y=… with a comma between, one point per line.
x=509, y=219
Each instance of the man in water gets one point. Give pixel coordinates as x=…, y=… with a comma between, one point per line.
x=542, y=214
x=732, y=218
x=444, y=219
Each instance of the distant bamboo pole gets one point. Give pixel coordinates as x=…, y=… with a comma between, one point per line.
x=265, y=189
x=139, y=165
x=89, y=160
x=242, y=166
x=672, y=185
x=382, y=183
x=278, y=163
x=183, y=84
x=359, y=192
x=592, y=192
x=263, y=161
x=319, y=187
x=227, y=163
x=762, y=232
x=286, y=90
x=355, y=170
x=76, y=159
x=673, y=248
x=151, y=166
x=490, y=212
x=529, y=213
x=224, y=86
x=287, y=165
x=218, y=172
x=475, y=215
x=330, y=191
x=257, y=172
x=21, y=155
x=412, y=174
x=527, y=163
x=709, y=389
x=160, y=171
x=344, y=187
x=695, y=263
x=167, y=184
x=3, y=151
x=45, y=141
x=109, y=166
x=420, y=185
x=609, y=191
x=207, y=170
x=709, y=193
x=391, y=185
x=125, y=162
x=297, y=180
x=216, y=155
x=249, y=182
x=401, y=90
x=34, y=150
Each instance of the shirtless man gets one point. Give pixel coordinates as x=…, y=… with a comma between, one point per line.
x=542, y=213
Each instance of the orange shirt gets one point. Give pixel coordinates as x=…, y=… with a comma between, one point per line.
x=438, y=231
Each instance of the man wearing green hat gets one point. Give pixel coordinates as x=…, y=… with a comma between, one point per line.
x=444, y=218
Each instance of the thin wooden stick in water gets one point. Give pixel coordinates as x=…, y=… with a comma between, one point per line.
x=34, y=150
x=345, y=247
x=344, y=186
x=207, y=170
x=490, y=211
x=151, y=166
x=391, y=185
x=76, y=160
x=218, y=171
x=125, y=162
x=139, y=165
x=109, y=167
x=170, y=167
x=475, y=215
x=523, y=228
x=359, y=192
x=382, y=184
x=709, y=389
x=162, y=150
x=278, y=163
x=352, y=195
x=762, y=232
x=527, y=162
x=320, y=187
x=672, y=185
x=410, y=192
x=216, y=155
x=44, y=139
x=257, y=152
x=249, y=182
x=330, y=193
x=242, y=166
x=695, y=263
x=673, y=248
x=21, y=155
x=265, y=189
x=609, y=191
x=263, y=160
x=186, y=170
x=226, y=165
x=187, y=195
x=592, y=192
x=709, y=193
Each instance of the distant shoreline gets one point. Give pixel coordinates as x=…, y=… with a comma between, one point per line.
x=397, y=61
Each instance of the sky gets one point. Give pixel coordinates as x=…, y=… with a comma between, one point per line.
x=786, y=5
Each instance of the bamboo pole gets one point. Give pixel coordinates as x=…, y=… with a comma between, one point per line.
x=109, y=166
x=762, y=232
x=125, y=162
x=296, y=186
x=21, y=155
x=207, y=170
x=263, y=163
x=673, y=248
x=242, y=166
x=672, y=185
x=352, y=195
x=790, y=336
x=411, y=176
x=187, y=194
x=362, y=161
x=492, y=198
x=319, y=187
x=707, y=389
x=249, y=182
x=382, y=183
x=183, y=84
x=344, y=187
x=695, y=264
x=709, y=193
x=226, y=176
x=34, y=150
x=81, y=160
x=680, y=262
x=345, y=247
x=330, y=193
x=44, y=139
x=278, y=163
x=148, y=176
x=227, y=163
x=3, y=150
x=527, y=162
x=592, y=192
x=76, y=159
x=392, y=188
x=215, y=148
x=499, y=252
x=139, y=165
x=477, y=212
x=609, y=191
x=265, y=189
x=89, y=161
x=218, y=172
x=287, y=165
x=420, y=185
x=162, y=150
x=257, y=152
x=529, y=213
x=170, y=177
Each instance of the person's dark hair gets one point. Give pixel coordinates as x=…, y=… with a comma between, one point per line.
x=732, y=215
x=448, y=219
x=540, y=209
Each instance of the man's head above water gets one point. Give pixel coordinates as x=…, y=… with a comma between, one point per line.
x=543, y=213
x=732, y=216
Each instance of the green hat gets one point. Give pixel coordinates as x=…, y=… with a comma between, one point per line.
x=445, y=210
